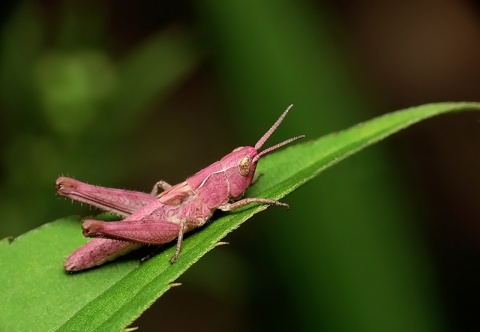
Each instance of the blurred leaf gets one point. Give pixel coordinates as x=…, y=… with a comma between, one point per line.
x=156, y=68
x=55, y=100
x=111, y=297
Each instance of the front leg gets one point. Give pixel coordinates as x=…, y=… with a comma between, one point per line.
x=160, y=185
x=245, y=201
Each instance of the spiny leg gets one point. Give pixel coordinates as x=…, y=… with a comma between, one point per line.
x=160, y=185
x=245, y=201
x=179, y=243
x=185, y=226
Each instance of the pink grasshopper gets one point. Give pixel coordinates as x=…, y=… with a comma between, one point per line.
x=159, y=219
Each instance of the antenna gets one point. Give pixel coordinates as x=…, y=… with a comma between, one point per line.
x=269, y=133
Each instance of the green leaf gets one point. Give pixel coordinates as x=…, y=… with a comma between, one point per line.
x=37, y=294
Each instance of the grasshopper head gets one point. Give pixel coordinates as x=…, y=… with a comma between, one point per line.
x=241, y=163
x=239, y=169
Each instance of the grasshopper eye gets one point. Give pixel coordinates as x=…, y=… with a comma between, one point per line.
x=244, y=166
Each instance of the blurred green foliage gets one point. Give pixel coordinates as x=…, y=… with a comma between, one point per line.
x=69, y=107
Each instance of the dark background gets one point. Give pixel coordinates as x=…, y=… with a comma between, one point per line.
x=124, y=93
